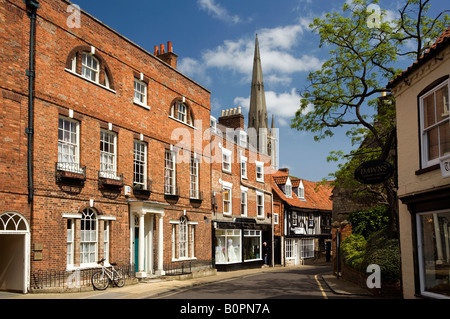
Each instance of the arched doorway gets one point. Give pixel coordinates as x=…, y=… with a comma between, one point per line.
x=14, y=252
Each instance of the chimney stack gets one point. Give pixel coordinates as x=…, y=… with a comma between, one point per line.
x=232, y=118
x=169, y=57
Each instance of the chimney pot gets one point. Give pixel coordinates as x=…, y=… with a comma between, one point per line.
x=156, y=53
x=169, y=46
x=162, y=49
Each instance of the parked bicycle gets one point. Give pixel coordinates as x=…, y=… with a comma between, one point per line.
x=102, y=278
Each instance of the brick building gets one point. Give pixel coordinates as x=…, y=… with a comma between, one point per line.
x=106, y=178
x=242, y=195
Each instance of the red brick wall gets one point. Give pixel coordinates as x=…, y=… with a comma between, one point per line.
x=57, y=92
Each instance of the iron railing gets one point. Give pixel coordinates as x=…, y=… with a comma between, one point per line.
x=44, y=279
x=187, y=267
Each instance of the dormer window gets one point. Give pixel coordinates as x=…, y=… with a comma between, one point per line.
x=288, y=188
x=301, y=191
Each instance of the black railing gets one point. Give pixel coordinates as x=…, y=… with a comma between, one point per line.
x=187, y=267
x=44, y=279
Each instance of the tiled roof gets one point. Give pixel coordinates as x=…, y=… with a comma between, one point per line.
x=440, y=43
x=316, y=196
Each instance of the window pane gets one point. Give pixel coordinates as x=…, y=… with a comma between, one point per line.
x=429, y=110
x=442, y=103
x=435, y=252
x=433, y=144
x=444, y=136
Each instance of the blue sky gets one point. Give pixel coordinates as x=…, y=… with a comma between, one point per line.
x=214, y=41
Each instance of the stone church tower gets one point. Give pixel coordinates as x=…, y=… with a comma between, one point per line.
x=260, y=136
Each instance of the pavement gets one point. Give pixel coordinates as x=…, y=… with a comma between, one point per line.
x=155, y=288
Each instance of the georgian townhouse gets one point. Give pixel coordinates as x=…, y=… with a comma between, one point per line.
x=303, y=218
x=90, y=138
x=423, y=135
x=242, y=198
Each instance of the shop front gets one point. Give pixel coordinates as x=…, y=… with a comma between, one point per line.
x=240, y=244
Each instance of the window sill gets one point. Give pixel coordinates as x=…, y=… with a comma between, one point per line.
x=184, y=259
x=428, y=169
x=93, y=82
x=189, y=125
x=145, y=106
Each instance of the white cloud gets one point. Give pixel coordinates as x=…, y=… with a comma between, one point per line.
x=217, y=11
x=282, y=105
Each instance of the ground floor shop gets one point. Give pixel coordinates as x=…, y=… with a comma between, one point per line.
x=241, y=244
x=425, y=243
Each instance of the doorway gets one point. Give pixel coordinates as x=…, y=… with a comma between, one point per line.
x=14, y=252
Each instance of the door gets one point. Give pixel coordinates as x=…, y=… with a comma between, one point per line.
x=136, y=248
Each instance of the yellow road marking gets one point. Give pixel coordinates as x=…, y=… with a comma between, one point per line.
x=320, y=287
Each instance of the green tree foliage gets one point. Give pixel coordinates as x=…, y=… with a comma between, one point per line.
x=369, y=221
x=363, y=50
x=353, y=250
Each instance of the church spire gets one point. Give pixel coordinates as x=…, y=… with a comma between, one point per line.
x=257, y=114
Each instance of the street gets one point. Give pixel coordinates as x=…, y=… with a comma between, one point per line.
x=297, y=283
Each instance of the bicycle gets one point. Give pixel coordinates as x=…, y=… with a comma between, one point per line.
x=102, y=278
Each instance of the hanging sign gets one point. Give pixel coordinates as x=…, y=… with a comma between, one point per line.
x=374, y=172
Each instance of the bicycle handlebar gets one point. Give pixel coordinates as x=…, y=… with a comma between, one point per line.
x=101, y=261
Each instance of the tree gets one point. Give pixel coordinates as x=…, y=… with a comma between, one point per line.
x=345, y=92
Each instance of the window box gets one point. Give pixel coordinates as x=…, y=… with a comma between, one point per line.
x=142, y=189
x=110, y=179
x=70, y=172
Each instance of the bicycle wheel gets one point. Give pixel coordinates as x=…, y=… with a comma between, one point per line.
x=100, y=281
x=119, y=278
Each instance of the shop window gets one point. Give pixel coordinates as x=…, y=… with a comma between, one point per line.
x=252, y=245
x=228, y=246
x=434, y=253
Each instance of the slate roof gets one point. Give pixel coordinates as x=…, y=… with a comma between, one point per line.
x=319, y=198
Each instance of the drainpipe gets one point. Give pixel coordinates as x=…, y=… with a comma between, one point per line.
x=32, y=7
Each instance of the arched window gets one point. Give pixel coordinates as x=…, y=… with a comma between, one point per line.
x=85, y=62
x=88, y=236
x=181, y=111
x=13, y=222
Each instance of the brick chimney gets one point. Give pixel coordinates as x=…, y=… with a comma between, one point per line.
x=232, y=118
x=169, y=57
x=285, y=170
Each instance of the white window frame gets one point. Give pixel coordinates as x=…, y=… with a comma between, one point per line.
x=194, y=184
x=170, y=177
x=108, y=159
x=183, y=249
x=89, y=239
x=306, y=248
x=275, y=218
x=254, y=234
x=288, y=188
x=227, y=187
x=301, y=191
x=243, y=167
x=244, y=201
x=106, y=240
x=420, y=254
x=258, y=206
x=424, y=131
x=70, y=242
x=87, y=68
x=226, y=160
x=140, y=92
x=65, y=143
x=259, y=165
x=290, y=248
x=140, y=160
